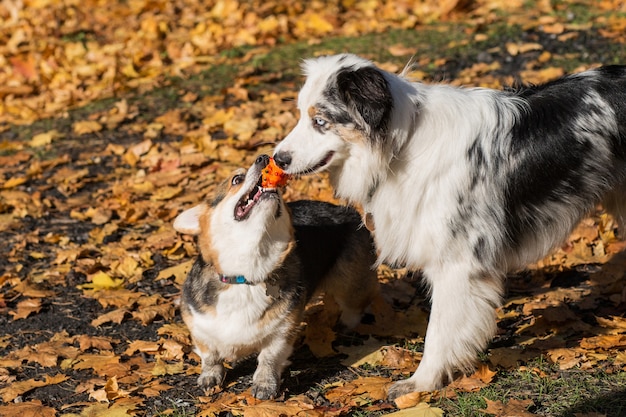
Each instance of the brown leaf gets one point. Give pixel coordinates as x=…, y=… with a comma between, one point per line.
x=32, y=408
x=512, y=408
x=370, y=388
x=12, y=391
x=103, y=364
x=26, y=307
x=98, y=342
x=115, y=316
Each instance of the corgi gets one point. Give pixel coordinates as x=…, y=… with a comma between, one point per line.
x=260, y=261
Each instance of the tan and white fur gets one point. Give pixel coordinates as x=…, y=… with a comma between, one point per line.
x=260, y=261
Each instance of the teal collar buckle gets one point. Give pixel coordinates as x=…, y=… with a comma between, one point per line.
x=233, y=279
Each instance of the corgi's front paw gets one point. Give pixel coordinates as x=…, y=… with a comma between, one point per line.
x=265, y=390
x=211, y=376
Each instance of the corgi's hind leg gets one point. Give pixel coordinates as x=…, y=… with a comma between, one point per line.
x=615, y=204
x=353, y=284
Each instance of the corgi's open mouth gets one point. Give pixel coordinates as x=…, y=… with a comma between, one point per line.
x=251, y=199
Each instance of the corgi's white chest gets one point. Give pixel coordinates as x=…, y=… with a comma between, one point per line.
x=237, y=325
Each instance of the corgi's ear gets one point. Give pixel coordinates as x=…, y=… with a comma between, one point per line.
x=188, y=222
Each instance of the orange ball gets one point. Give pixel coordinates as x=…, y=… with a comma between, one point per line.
x=273, y=176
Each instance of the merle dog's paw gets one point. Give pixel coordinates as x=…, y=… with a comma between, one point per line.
x=265, y=391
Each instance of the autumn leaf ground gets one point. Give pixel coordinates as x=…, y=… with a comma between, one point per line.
x=91, y=269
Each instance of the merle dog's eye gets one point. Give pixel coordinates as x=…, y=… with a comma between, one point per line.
x=237, y=179
x=319, y=122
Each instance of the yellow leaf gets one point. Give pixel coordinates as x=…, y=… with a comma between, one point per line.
x=105, y=410
x=162, y=368
x=102, y=281
x=128, y=267
x=179, y=272
x=166, y=193
x=46, y=138
x=84, y=127
x=370, y=352
x=314, y=23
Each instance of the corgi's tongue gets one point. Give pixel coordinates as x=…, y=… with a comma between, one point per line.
x=247, y=203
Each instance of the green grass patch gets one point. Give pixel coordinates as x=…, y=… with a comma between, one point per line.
x=555, y=393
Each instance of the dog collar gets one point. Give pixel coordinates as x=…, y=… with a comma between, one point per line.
x=233, y=279
x=271, y=290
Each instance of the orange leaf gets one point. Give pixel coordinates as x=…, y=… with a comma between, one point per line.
x=603, y=342
x=24, y=67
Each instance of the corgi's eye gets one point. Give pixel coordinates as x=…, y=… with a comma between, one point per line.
x=319, y=122
x=237, y=179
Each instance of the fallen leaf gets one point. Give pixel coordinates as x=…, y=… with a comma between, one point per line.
x=114, y=316
x=14, y=390
x=370, y=352
x=420, y=410
x=46, y=138
x=86, y=126
x=102, y=281
x=512, y=408
x=33, y=408
x=603, y=342
x=26, y=307
x=412, y=399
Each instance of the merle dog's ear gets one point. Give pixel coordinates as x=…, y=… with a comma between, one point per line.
x=367, y=90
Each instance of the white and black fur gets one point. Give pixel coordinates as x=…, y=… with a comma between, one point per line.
x=462, y=183
x=281, y=254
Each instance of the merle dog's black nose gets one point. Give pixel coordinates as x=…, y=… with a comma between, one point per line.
x=262, y=160
x=282, y=159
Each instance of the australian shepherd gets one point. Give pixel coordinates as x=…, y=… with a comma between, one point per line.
x=464, y=184
x=260, y=261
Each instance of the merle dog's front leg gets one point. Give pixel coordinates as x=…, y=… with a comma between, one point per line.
x=462, y=322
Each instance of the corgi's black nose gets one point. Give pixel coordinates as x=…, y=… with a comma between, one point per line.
x=262, y=160
x=282, y=159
